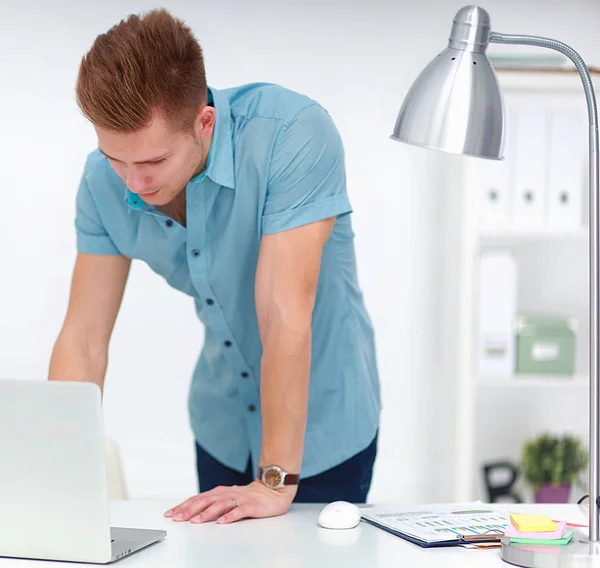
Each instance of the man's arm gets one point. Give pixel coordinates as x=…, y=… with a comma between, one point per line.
x=306, y=192
x=286, y=285
x=81, y=350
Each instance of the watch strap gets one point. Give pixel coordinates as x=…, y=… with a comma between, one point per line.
x=289, y=478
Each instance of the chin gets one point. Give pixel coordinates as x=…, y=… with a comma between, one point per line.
x=161, y=197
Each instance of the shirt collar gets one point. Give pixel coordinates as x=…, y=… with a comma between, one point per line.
x=219, y=165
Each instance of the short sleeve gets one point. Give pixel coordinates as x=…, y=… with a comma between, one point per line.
x=92, y=237
x=307, y=176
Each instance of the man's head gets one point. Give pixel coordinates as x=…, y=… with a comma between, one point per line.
x=143, y=87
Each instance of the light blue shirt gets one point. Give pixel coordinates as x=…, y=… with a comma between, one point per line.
x=276, y=162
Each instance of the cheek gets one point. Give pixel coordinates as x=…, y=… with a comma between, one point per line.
x=118, y=169
x=121, y=171
x=170, y=175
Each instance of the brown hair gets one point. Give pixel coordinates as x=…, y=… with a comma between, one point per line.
x=143, y=64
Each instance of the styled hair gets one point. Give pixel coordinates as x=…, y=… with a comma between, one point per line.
x=143, y=65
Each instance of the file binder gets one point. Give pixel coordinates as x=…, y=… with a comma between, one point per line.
x=529, y=204
x=567, y=167
x=442, y=525
x=496, y=308
x=495, y=180
x=488, y=537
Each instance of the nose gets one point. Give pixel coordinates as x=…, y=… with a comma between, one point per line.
x=136, y=181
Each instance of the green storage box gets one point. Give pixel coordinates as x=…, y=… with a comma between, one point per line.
x=545, y=345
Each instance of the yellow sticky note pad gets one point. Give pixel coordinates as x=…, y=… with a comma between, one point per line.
x=532, y=523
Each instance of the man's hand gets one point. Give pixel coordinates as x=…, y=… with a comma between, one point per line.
x=230, y=504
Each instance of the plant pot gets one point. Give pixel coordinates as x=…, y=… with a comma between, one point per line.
x=549, y=493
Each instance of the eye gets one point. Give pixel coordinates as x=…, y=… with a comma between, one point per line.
x=158, y=162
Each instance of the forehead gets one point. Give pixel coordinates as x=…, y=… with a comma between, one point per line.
x=146, y=144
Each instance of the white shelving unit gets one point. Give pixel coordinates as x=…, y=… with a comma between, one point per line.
x=522, y=233
x=486, y=419
x=525, y=381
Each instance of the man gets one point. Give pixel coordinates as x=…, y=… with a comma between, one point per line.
x=238, y=199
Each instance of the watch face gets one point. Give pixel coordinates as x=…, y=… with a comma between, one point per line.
x=273, y=478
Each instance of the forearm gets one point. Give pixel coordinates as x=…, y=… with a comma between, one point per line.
x=285, y=374
x=76, y=359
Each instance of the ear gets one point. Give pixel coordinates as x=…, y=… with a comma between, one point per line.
x=205, y=122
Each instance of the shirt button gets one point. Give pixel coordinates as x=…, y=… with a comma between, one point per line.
x=210, y=301
x=169, y=223
x=244, y=375
x=195, y=252
x=252, y=408
x=227, y=343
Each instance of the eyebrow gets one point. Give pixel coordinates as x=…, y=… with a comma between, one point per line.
x=149, y=161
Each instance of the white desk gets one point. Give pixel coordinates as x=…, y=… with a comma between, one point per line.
x=291, y=541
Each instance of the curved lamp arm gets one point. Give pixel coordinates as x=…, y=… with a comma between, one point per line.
x=594, y=448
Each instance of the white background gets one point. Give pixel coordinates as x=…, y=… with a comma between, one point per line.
x=358, y=59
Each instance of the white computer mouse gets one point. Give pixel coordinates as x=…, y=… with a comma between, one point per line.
x=339, y=515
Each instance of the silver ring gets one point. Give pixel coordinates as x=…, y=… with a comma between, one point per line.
x=235, y=503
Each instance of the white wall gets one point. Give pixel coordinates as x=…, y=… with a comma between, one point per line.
x=358, y=59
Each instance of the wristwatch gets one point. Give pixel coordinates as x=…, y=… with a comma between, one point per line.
x=274, y=477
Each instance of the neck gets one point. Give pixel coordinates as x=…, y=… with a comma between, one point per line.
x=204, y=153
x=176, y=208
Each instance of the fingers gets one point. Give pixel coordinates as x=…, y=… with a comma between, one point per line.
x=216, y=510
x=236, y=514
x=182, y=508
x=192, y=507
x=172, y=512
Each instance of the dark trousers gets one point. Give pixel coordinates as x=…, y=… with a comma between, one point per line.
x=348, y=481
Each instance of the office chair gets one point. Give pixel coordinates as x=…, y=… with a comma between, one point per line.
x=497, y=492
x=117, y=488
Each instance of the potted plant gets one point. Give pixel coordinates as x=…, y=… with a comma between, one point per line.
x=552, y=464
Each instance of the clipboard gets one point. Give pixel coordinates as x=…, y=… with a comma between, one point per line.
x=488, y=538
x=469, y=525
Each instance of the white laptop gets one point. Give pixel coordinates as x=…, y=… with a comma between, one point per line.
x=53, y=493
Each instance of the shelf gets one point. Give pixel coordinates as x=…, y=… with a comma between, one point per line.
x=559, y=80
x=520, y=381
x=513, y=233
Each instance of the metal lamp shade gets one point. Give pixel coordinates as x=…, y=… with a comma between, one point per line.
x=455, y=106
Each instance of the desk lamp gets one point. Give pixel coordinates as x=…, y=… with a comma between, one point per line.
x=455, y=106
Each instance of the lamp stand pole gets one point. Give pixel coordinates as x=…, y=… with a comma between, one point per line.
x=581, y=551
